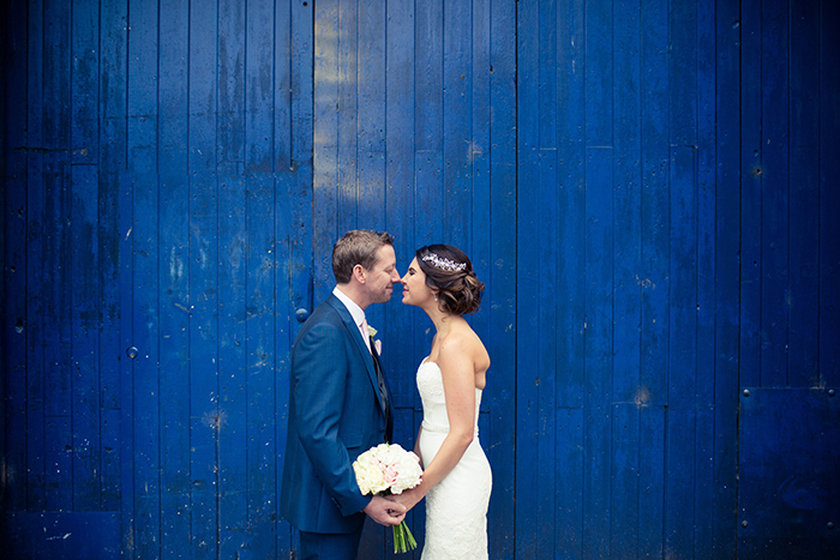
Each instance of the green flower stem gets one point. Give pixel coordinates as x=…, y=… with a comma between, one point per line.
x=403, y=539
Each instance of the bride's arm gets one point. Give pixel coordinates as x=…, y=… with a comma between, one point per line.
x=457, y=368
x=417, y=443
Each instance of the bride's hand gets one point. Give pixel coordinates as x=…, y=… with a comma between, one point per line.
x=409, y=498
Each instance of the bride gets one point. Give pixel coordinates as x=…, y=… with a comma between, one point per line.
x=456, y=477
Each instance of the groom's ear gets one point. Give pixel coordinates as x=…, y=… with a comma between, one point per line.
x=360, y=274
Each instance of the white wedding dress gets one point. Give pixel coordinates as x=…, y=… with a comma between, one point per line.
x=456, y=508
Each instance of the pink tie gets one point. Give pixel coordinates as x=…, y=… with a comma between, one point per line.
x=365, y=333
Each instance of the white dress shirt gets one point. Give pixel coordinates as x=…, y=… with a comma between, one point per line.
x=356, y=312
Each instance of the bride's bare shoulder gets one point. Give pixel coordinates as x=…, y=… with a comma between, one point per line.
x=464, y=344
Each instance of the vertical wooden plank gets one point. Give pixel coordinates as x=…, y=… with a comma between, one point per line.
x=628, y=393
x=479, y=165
x=260, y=540
x=704, y=534
x=775, y=142
x=56, y=168
x=627, y=96
x=399, y=196
x=653, y=280
x=85, y=82
x=204, y=389
x=680, y=458
x=31, y=109
x=598, y=355
x=400, y=353
x=57, y=401
x=17, y=390
x=427, y=74
x=85, y=312
x=752, y=189
x=294, y=152
x=173, y=278
x=347, y=112
x=33, y=325
x=537, y=263
x=481, y=246
x=652, y=426
x=145, y=305
x=5, y=43
x=428, y=125
x=204, y=281
x=570, y=456
x=624, y=521
x=370, y=155
x=528, y=204
x=501, y=281
x=325, y=202
x=727, y=276
x=804, y=258
x=291, y=254
x=112, y=157
x=21, y=204
x=456, y=74
x=232, y=276
x=545, y=377
x=477, y=154
x=115, y=249
x=297, y=132
x=571, y=216
x=599, y=241
x=370, y=122
x=829, y=197
x=86, y=303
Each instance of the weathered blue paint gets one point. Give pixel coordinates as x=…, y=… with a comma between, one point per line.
x=789, y=494
x=646, y=189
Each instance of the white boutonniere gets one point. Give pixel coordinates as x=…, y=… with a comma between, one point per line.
x=377, y=344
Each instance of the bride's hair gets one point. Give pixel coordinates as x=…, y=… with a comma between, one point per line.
x=449, y=273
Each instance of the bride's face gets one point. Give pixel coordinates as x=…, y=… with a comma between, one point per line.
x=415, y=290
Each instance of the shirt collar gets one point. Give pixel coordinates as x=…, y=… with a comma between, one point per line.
x=356, y=312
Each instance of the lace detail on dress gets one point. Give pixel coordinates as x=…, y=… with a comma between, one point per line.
x=456, y=509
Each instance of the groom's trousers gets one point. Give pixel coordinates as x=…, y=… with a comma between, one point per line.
x=329, y=546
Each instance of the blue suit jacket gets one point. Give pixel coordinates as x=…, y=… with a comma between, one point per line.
x=335, y=413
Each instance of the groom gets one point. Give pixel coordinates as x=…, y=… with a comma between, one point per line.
x=339, y=405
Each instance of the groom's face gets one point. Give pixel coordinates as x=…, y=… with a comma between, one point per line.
x=381, y=278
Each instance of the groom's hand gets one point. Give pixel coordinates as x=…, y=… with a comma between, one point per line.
x=385, y=512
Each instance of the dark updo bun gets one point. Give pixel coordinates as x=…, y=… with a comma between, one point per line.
x=449, y=273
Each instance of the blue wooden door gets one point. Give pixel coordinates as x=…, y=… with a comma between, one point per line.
x=159, y=167
x=645, y=188
x=218, y=222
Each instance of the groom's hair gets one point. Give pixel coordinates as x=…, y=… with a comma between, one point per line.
x=357, y=246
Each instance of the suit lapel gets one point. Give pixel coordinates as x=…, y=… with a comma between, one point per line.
x=356, y=337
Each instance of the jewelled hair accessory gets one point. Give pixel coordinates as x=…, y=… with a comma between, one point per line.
x=443, y=263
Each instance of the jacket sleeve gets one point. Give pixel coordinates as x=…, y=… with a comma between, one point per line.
x=320, y=369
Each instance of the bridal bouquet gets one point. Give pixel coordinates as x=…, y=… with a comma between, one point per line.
x=389, y=469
